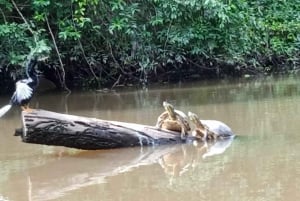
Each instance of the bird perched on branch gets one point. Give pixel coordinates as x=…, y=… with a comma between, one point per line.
x=24, y=88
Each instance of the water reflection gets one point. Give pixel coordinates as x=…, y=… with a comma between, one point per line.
x=185, y=157
x=215, y=148
x=3, y=198
x=80, y=169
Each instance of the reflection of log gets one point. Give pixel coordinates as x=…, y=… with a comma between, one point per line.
x=73, y=175
x=87, y=168
x=44, y=127
x=67, y=174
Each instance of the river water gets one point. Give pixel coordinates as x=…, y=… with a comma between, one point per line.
x=261, y=163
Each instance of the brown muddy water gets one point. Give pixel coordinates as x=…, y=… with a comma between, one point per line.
x=261, y=163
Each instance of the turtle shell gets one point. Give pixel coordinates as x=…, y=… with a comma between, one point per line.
x=217, y=127
x=164, y=121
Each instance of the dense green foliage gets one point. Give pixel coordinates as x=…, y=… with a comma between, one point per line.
x=99, y=40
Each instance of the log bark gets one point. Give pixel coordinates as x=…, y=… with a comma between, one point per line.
x=50, y=128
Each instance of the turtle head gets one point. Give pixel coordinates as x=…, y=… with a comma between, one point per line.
x=169, y=108
x=193, y=117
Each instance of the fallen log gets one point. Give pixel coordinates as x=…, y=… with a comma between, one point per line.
x=50, y=128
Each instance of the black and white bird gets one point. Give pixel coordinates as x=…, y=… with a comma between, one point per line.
x=24, y=89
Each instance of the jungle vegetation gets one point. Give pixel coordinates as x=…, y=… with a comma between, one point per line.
x=95, y=43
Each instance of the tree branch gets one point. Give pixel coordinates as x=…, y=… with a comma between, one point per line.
x=4, y=18
x=28, y=26
x=23, y=18
x=63, y=73
x=90, y=67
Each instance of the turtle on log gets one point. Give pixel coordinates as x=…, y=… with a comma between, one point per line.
x=173, y=120
x=209, y=129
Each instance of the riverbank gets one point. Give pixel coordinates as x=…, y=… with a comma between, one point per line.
x=187, y=72
x=190, y=70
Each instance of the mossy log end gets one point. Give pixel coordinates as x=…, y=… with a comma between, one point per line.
x=50, y=128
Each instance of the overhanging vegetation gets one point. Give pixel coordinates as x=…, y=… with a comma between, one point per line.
x=95, y=43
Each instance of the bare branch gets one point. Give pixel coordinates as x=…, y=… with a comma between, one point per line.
x=90, y=67
x=63, y=73
x=4, y=18
x=117, y=82
x=23, y=18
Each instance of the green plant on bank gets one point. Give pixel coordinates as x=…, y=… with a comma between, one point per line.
x=99, y=40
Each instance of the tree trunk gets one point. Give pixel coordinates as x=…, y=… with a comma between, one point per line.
x=50, y=128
